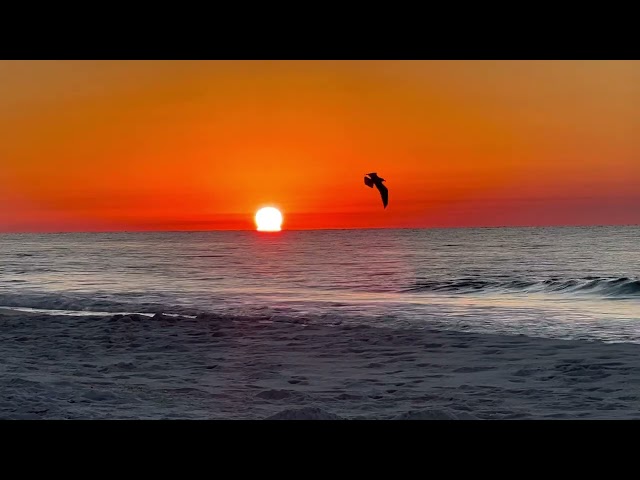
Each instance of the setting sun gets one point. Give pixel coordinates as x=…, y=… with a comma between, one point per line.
x=269, y=219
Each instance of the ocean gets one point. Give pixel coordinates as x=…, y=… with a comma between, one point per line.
x=561, y=282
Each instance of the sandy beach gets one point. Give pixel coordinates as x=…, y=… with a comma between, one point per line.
x=143, y=367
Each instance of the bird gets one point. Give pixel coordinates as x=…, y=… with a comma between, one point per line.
x=372, y=179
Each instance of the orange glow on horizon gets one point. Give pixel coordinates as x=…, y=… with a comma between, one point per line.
x=197, y=145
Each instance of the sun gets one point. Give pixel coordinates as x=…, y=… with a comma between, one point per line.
x=269, y=219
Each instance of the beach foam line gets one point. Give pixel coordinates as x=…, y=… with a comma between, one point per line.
x=86, y=313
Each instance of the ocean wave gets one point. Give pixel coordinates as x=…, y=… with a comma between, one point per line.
x=621, y=287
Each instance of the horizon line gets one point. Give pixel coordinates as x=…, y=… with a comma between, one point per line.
x=466, y=227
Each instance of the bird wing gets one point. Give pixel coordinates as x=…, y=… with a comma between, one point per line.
x=368, y=182
x=384, y=193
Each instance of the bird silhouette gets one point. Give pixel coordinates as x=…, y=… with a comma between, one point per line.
x=372, y=179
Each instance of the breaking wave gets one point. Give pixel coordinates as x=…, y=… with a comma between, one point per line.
x=622, y=287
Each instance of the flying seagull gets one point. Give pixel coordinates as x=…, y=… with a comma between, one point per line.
x=372, y=179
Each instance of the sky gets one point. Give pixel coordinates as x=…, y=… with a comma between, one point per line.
x=201, y=145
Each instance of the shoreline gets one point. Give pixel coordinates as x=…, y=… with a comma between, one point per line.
x=100, y=367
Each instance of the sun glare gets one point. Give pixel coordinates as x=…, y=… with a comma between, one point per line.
x=269, y=219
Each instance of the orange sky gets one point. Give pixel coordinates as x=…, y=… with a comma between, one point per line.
x=139, y=145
